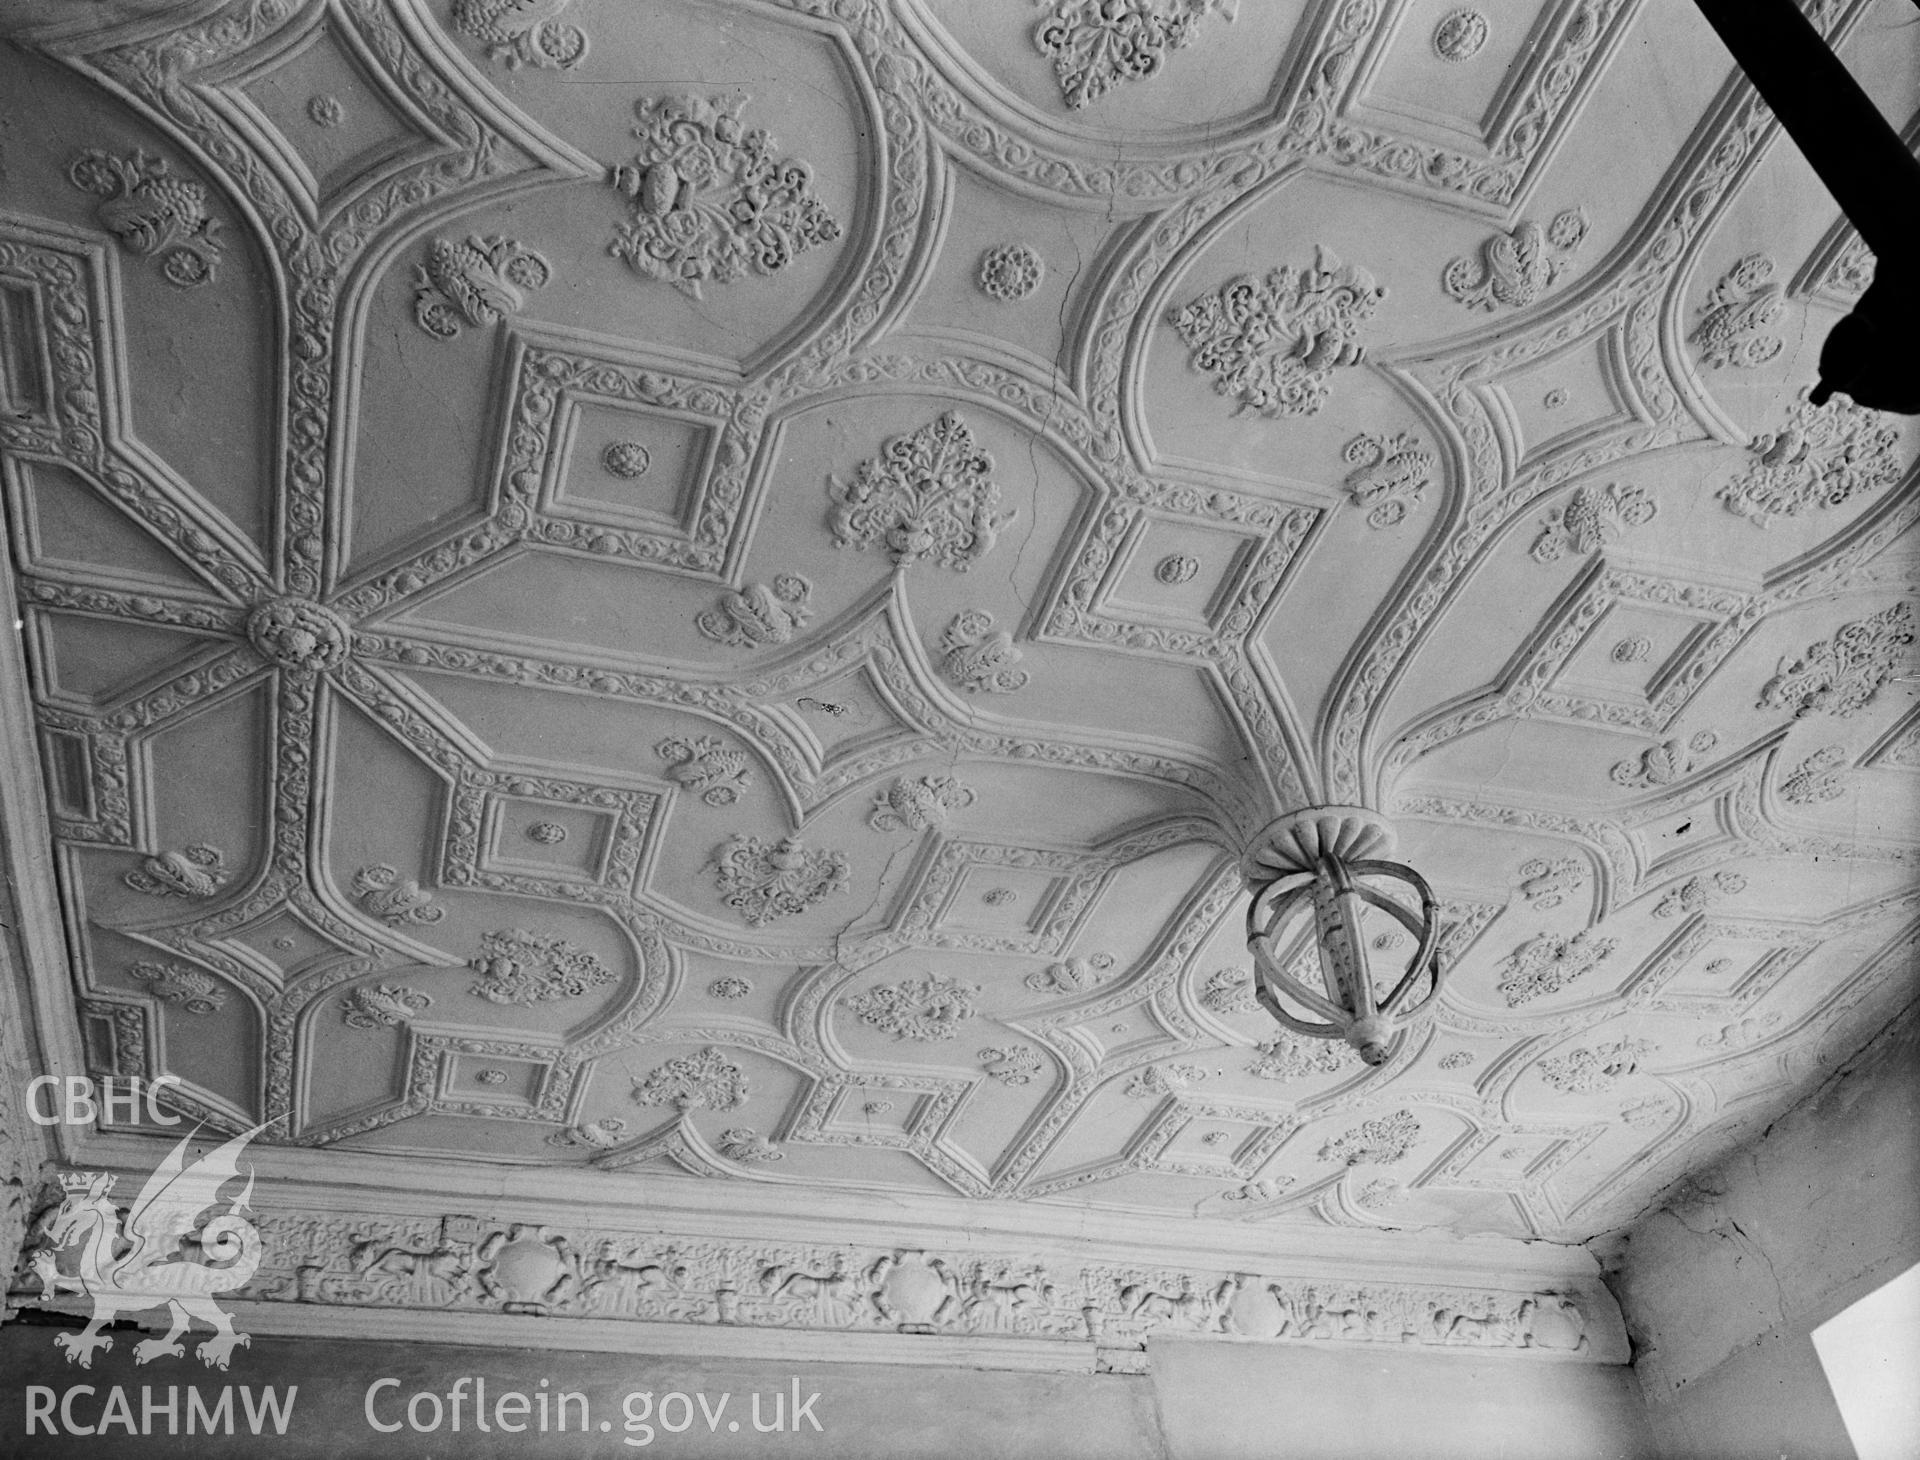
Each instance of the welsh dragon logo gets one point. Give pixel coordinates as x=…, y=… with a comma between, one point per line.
x=143, y=1265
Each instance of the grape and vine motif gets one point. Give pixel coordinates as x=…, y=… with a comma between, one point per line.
x=1095, y=45
x=153, y=213
x=522, y=34
x=175, y=983
x=474, y=283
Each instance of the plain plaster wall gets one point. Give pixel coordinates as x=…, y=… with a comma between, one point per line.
x=1203, y=1401
x=1723, y=1282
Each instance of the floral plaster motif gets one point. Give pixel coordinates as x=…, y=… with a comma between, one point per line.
x=396, y=900
x=1010, y=271
x=701, y=763
x=929, y=495
x=1592, y=518
x=1391, y=477
x=1735, y=320
x=153, y=213
x=175, y=983
x=1843, y=674
x=1517, y=268
x=1824, y=456
x=979, y=658
x=474, y=283
x=759, y=614
x=764, y=881
x=706, y=1080
x=387, y=1004
x=1544, y=964
x=1816, y=779
x=916, y=803
x=1377, y=1142
x=518, y=967
x=924, y=1009
x=522, y=32
x=1272, y=345
x=198, y=871
x=711, y=200
x=1096, y=44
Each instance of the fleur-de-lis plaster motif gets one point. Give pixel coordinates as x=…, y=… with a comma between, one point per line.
x=928, y=495
x=395, y=900
x=1595, y=1070
x=1273, y=345
x=701, y=763
x=175, y=983
x=1739, y=310
x=1544, y=964
x=1592, y=518
x=760, y=613
x=1391, y=477
x=926, y=1009
x=387, y=1004
x=705, y=1080
x=763, y=881
x=522, y=32
x=979, y=658
x=518, y=967
x=1517, y=267
x=1665, y=763
x=1840, y=675
x=1072, y=975
x=916, y=803
x=473, y=283
x=152, y=212
x=1377, y=1142
x=1823, y=456
x=711, y=199
x=1015, y=1064
x=1816, y=779
x=1096, y=44
x=198, y=871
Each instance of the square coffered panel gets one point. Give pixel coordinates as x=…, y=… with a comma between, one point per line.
x=706, y=596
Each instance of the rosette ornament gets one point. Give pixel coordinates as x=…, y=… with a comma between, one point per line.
x=1326, y=862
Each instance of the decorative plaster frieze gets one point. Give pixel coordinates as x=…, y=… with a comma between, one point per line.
x=711, y=200
x=1272, y=345
x=929, y=495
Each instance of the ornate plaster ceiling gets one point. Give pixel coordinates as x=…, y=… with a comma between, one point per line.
x=711, y=591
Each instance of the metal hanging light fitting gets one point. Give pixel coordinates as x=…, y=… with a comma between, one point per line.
x=1321, y=860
